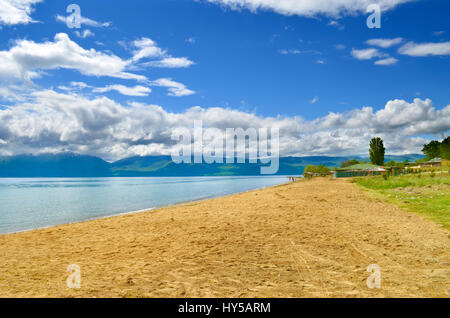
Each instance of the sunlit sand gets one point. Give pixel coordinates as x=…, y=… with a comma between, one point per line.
x=306, y=239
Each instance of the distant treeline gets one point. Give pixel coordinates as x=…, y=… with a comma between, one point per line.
x=434, y=149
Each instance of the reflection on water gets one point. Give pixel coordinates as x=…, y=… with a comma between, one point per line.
x=34, y=203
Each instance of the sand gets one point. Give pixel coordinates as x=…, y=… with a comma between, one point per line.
x=307, y=239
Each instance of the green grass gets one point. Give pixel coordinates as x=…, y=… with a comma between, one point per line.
x=422, y=194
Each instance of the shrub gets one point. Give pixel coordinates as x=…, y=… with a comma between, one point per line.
x=349, y=163
x=322, y=169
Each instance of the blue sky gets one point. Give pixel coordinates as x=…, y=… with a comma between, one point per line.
x=305, y=68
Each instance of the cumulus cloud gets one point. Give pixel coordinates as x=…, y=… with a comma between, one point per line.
x=27, y=58
x=384, y=43
x=191, y=40
x=125, y=90
x=366, y=54
x=425, y=49
x=289, y=51
x=16, y=11
x=175, y=88
x=297, y=51
x=51, y=121
x=11, y=94
x=387, y=61
x=74, y=86
x=170, y=62
x=336, y=24
x=309, y=8
x=84, y=21
x=418, y=117
x=148, y=49
x=85, y=34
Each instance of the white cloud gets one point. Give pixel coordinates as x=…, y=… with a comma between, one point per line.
x=79, y=85
x=84, y=21
x=74, y=86
x=191, y=40
x=418, y=117
x=27, y=58
x=366, y=54
x=170, y=62
x=289, y=51
x=50, y=121
x=11, y=93
x=175, y=88
x=387, y=61
x=425, y=49
x=384, y=43
x=148, y=49
x=336, y=24
x=296, y=51
x=85, y=34
x=309, y=8
x=124, y=90
x=314, y=100
x=16, y=11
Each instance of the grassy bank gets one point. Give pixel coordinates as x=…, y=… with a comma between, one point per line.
x=427, y=194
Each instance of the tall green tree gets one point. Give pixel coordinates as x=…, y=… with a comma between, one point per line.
x=432, y=150
x=445, y=148
x=377, y=151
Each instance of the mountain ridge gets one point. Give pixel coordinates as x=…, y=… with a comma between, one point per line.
x=76, y=165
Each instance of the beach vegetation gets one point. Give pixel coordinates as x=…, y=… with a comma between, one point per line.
x=426, y=194
x=320, y=169
x=349, y=163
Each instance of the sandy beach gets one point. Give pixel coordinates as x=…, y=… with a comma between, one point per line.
x=306, y=239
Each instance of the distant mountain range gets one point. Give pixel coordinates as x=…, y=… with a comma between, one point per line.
x=73, y=165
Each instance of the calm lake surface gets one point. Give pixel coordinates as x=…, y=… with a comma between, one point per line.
x=27, y=204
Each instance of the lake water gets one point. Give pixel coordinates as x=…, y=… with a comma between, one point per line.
x=27, y=204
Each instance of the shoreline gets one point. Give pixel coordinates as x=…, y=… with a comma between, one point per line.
x=305, y=239
x=181, y=203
